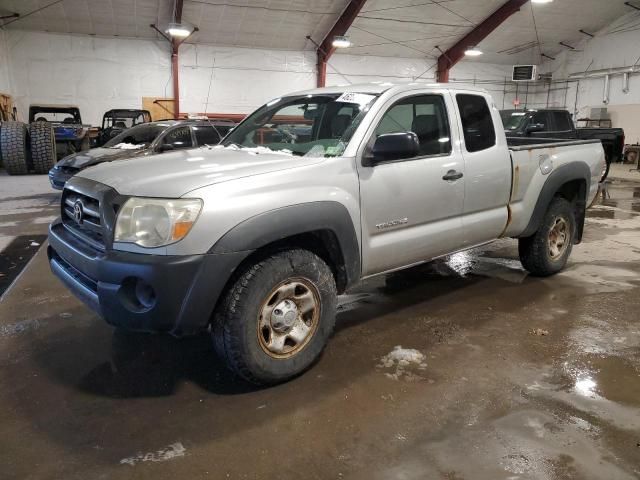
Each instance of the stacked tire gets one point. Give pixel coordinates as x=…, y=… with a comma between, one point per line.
x=24, y=149
x=43, y=146
x=14, y=147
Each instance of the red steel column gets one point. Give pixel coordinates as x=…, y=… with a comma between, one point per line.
x=341, y=27
x=175, y=75
x=175, y=64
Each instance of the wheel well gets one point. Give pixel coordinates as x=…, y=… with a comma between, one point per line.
x=324, y=243
x=575, y=191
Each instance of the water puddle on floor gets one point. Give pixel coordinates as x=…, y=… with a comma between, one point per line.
x=615, y=378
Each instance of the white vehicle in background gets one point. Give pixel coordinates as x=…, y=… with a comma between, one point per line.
x=310, y=194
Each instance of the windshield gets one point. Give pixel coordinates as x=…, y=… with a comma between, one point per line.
x=306, y=125
x=140, y=135
x=71, y=116
x=513, y=119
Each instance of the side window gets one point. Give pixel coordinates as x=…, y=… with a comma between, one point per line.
x=206, y=136
x=179, y=138
x=477, y=122
x=424, y=115
x=563, y=122
x=541, y=118
x=397, y=119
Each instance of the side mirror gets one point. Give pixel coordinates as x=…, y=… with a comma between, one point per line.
x=535, y=127
x=165, y=147
x=393, y=146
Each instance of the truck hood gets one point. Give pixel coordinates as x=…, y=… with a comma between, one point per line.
x=174, y=174
x=94, y=156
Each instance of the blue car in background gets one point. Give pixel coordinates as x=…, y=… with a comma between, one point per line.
x=71, y=135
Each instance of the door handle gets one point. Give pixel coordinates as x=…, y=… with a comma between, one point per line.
x=452, y=175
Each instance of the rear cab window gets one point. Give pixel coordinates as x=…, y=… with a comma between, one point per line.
x=477, y=122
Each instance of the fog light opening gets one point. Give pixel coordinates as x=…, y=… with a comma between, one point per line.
x=145, y=294
x=137, y=295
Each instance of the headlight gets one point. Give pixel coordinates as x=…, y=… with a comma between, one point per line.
x=155, y=222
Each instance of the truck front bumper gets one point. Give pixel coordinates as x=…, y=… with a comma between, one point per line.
x=139, y=292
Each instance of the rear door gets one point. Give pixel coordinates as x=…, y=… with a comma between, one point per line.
x=410, y=213
x=487, y=166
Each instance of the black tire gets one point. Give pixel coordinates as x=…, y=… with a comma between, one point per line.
x=606, y=172
x=536, y=252
x=239, y=338
x=63, y=149
x=43, y=146
x=14, y=148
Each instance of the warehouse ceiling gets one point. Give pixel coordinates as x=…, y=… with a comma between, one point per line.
x=399, y=28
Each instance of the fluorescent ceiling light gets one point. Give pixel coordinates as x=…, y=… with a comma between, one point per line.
x=340, y=41
x=179, y=30
x=541, y=1
x=473, y=52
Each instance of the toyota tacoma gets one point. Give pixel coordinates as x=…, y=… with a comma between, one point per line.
x=253, y=239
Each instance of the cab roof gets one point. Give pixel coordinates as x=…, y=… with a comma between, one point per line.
x=377, y=88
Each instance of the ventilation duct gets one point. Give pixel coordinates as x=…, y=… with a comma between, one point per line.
x=604, y=72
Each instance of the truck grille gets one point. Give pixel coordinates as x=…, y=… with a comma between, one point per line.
x=81, y=216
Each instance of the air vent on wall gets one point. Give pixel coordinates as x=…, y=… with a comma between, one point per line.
x=524, y=73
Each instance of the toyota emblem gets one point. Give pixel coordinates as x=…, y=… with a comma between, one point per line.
x=78, y=212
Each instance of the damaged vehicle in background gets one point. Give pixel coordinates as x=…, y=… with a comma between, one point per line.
x=142, y=140
x=71, y=135
x=116, y=121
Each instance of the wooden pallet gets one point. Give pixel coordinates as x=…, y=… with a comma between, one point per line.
x=6, y=107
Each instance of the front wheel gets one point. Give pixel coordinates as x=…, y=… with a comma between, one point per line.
x=275, y=320
x=546, y=252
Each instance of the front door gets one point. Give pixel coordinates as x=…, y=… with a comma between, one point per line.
x=410, y=213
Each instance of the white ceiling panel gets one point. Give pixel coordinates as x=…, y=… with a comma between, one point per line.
x=402, y=28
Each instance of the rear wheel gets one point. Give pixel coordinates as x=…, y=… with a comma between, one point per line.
x=546, y=252
x=14, y=147
x=276, y=318
x=43, y=146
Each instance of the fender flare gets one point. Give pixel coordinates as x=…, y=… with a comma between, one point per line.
x=560, y=176
x=271, y=226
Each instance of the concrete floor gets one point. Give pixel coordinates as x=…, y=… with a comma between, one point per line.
x=512, y=377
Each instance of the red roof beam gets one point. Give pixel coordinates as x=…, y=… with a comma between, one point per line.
x=456, y=53
x=341, y=27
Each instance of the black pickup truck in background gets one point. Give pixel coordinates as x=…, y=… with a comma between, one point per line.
x=552, y=123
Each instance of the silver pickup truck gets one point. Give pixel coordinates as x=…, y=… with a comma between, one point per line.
x=254, y=239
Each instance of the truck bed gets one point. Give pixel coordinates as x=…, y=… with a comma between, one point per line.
x=528, y=155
